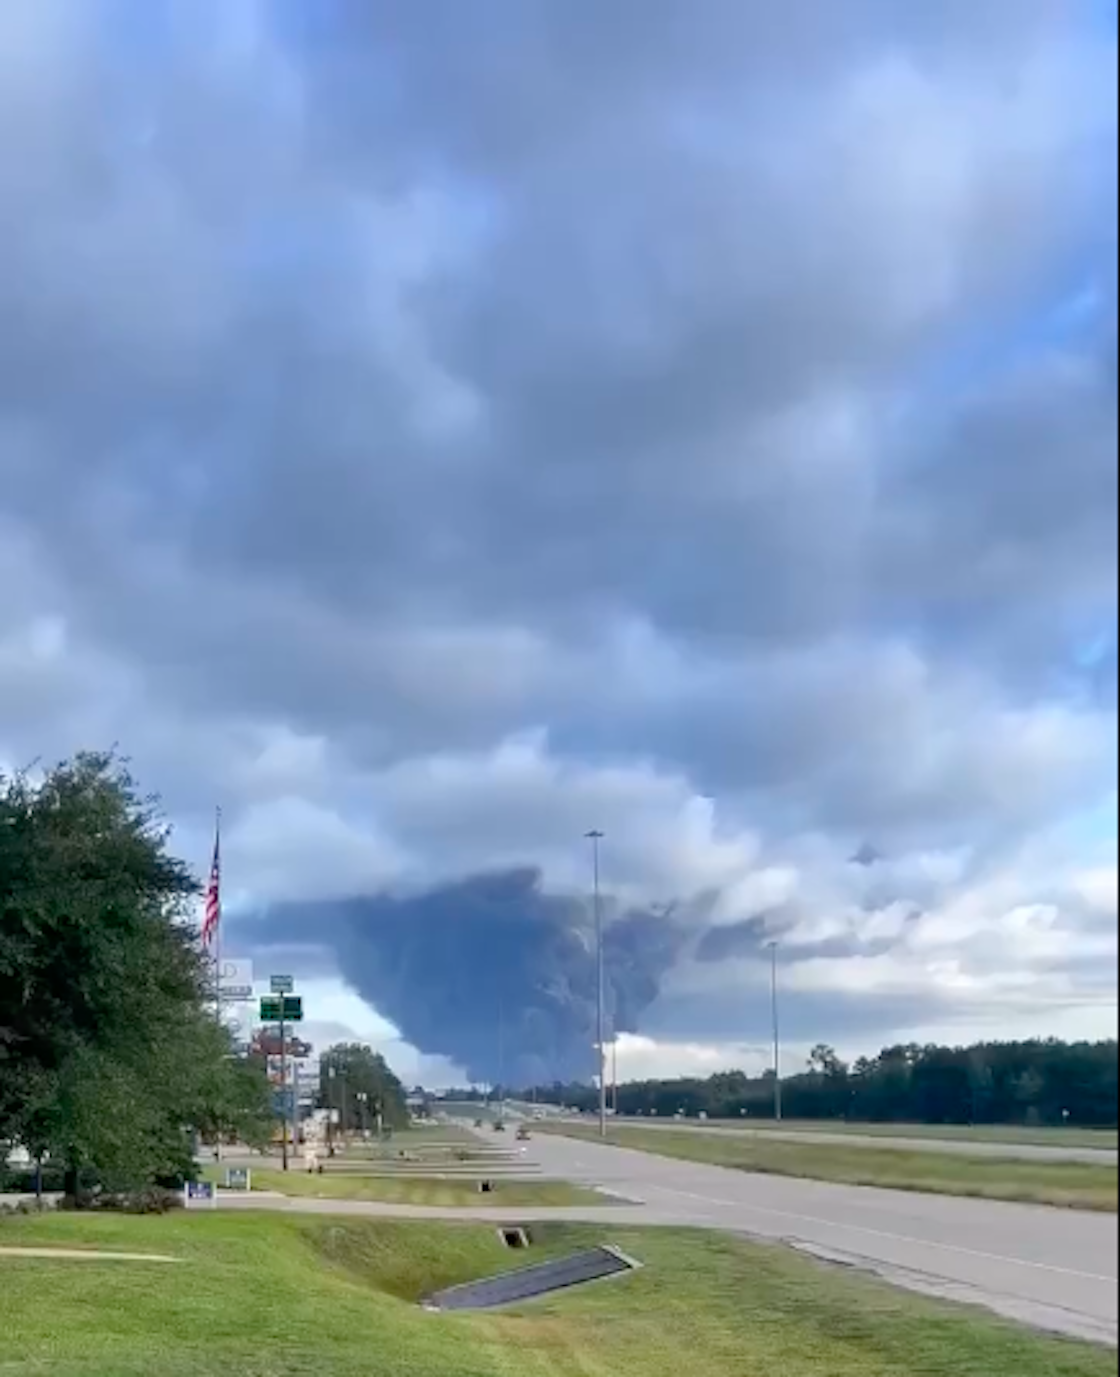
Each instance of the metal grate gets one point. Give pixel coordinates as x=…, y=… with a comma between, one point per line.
x=528, y=1282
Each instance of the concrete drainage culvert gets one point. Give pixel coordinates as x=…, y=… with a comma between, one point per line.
x=527, y=1283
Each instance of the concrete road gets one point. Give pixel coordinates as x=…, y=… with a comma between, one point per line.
x=1025, y=1152
x=1053, y=1268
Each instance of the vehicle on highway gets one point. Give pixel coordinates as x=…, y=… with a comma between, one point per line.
x=522, y=1134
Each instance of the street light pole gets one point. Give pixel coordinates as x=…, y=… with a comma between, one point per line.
x=501, y=1060
x=595, y=837
x=777, y=1037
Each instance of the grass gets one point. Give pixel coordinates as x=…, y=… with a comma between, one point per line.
x=1075, y=1185
x=268, y=1295
x=1104, y=1138
x=405, y=1190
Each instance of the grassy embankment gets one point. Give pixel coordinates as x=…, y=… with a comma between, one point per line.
x=268, y=1295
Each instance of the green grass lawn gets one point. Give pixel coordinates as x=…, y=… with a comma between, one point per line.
x=1075, y=1185
x=267, y=1295
x=1104, y=1138
x=404, y=1190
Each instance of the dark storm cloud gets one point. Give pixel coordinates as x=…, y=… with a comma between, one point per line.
x=620, y=361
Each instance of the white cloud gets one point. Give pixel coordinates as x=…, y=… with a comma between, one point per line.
x=424, y=521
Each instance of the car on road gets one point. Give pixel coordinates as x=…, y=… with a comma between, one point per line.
x=522, y=1134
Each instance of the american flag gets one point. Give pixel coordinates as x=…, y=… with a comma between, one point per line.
x=212, y=914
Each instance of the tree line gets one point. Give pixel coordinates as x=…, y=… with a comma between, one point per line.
x=1035, y=1082
x=112, y=1059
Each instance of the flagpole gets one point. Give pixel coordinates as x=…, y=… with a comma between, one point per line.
x=218, y=961
x=218, y=928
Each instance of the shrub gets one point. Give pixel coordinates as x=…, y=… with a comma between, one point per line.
x=145, y=1200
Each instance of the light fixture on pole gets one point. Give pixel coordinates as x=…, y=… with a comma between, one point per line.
x=773, y=946
x=595, y=837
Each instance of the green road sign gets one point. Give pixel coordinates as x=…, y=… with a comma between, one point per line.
x=281, y=1008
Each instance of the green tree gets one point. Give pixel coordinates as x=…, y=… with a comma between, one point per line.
x=350, y=1071
x=109, y=1054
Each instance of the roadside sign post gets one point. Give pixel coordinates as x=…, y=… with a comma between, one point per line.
x=283, y=1090
x=199, y=1195
x=283, y=1007
x=238, y=1179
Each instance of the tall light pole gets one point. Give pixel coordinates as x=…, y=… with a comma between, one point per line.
x=501, y=1060
x=595, y=837
x=777, y=1037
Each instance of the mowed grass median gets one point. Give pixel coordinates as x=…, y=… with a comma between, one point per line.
x=268, y=1295
x=1098, y=1139
x=1073, y=1185
x=429, y=1190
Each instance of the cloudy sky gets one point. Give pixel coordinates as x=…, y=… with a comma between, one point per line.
x=431, y=430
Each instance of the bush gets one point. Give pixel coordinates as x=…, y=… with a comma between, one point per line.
x=146, y=1200
x=28, y=1207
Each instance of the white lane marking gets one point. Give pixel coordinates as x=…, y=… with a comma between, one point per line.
x=894, y=1238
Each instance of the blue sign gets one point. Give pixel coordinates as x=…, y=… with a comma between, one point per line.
x=198, y=1194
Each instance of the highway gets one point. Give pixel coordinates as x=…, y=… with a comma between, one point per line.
x=1056, y=1269
x=962, y=1147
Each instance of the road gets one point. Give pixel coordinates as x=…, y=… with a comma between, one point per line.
x=962, y=1147
x=1055, y=1269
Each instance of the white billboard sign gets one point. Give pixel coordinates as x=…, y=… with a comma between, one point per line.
x=236, y=982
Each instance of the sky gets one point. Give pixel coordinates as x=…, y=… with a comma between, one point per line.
x=432, y=431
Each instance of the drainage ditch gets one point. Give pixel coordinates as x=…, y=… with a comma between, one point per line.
x=527, y=1283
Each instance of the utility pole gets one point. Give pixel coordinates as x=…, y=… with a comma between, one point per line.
x=595, y=837
x=330, y=1107
x=777, y=1038
x=294, y=1107
x=614, y=1071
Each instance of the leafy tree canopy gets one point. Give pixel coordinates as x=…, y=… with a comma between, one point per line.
x=110, y=1056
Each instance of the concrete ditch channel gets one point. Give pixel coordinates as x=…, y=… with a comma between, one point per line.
x=531, y=1283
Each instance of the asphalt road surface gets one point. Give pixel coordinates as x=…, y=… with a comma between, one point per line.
x=1025, y=1152
x=1055, y=1268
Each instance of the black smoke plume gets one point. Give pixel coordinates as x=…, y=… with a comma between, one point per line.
x=493, y=972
